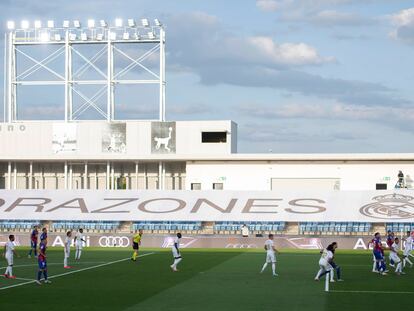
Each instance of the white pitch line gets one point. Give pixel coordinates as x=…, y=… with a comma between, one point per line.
x=75, y=271
x=369, y=292
x=16, y=278
x=55, y=263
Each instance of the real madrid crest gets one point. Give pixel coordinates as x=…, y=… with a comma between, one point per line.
x=390, y=206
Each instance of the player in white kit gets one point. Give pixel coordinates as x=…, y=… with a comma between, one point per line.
x=68, y=241
x=408, y=249
x=9, y=253
x=79, y=240
x=176, y=252
x=269, y=246
x=325, y=262
x=395, y=247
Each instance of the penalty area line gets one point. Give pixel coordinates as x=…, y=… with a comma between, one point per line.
x=75, y=271
x=370, y=292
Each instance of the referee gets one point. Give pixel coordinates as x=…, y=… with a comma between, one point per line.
x=136, y=242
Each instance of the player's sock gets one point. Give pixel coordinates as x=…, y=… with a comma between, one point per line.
x=30, y=252
x=318, y=275
x=406, y=259
x=383, y=267
x=35, y=252
x=79, y=253
x=274, y=268
x=338, y=272
x=45, y=274
x=7, y=270
x=176, y=262
x=134, y=256
x=399, y=267
x=264, y=267
x=10, y=270
x=65, y=261
x=374, y=266
x=39, y=275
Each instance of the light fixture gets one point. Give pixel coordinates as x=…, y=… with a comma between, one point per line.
x=157, y=22
x=37, y=24
x=91, y=23
x=118, y=22
x=137, y=36
x=99, y=37
x=112, y=35
x=24, y=24
x=145, y=22
x=10, y=25
x=50, y=24
x=125, y=36
x=77, y=23
x=131, y=22
x=84, y=36
x=45, y=36
x=72, y=36
x=151, y=35
x=57, y=37
x=66, y=24
x=103, y=23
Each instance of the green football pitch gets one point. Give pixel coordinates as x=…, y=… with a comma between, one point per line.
x=105, y=279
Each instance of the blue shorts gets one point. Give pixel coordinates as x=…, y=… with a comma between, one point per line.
x=42, y=264
x=378, y=255
x=33, y=244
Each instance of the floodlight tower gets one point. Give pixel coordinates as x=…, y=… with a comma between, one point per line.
x=67, y=39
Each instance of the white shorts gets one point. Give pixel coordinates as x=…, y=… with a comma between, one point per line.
x=325, y=265
x=175, y=253
x=270, y=257
x=394, y=257
x=9, y=259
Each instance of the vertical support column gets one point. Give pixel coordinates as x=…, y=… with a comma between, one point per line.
x=160, y=176
x=162, y=75
x=31, y=175
x=66, y=175
x=11, y=73
x=5, y=79
x=15, y=176
x=110, y=87
x=68, y=79
x=85, y=176
x=112, y=177
x=70, y=176
x=108, y=179
x=9, y=175
x=136, y=175
x=163, y=176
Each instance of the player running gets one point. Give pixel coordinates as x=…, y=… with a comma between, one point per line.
x=325, y=262
x=176, y=252
x=270, y=249
x=378, y=252
x=390, y=242
x=33, y=241
x=79, y=240
x=332, y=247
x=41, y=258
x=9, y=253
x=374, y=260
x=394, y=256
x=66, y=249
x=408, y=249
x=136, y=242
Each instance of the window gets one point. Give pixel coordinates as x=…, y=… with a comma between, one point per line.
x=218, y=186
x=195, y=186
x=214, y=137
x=381, y=186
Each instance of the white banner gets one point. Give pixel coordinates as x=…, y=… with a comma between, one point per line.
x=146, y=205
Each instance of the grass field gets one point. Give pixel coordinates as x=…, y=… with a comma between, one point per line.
x=105, y=279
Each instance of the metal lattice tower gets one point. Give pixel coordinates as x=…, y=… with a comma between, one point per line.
x=67, y=39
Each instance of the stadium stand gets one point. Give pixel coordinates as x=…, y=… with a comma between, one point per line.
x=232, y=227
x=400, y=227
x=335, y=228
x=17, y=225
x=167, y=226
x=89, y=226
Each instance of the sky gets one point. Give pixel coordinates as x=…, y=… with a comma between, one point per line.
x=297, y=76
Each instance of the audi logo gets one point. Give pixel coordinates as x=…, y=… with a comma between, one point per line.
x=114, y=241
x=241, y=245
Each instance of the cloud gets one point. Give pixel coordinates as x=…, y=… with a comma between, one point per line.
x=267, y=5
x=333, y=18
x=403, y=22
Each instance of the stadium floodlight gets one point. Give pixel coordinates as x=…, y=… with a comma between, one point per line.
x=99, y=37
x=112, y=35
x=91, y=23
x=50, y=24
x=72, y=36
x=137, y=36
x=103, y=23
x=37, y=24
x=157, y=22
x=24, y=24
x=77, y=23
x=66, y=24
x=45, y=36
x=125, y=36
x=10, y=25
x=151, y=35
x=84, y=36
x=145, y=22
x=131, y=22
x=57, y=37
x=118, y=22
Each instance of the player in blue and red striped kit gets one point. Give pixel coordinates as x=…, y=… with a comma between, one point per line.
x=41, y=259
x=33, y=241
x=378, y=252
